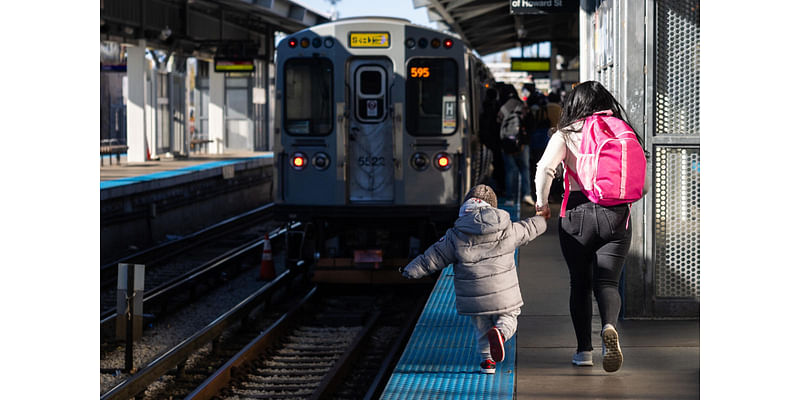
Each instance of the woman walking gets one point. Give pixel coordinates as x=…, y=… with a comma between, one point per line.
x=594, y=239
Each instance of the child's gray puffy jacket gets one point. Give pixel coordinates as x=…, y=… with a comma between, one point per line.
x=481, y=248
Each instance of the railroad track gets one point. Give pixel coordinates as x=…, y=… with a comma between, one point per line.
x=176, y=253
x=176, y=275
x=305, y=353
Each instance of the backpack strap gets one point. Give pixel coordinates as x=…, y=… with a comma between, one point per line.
x=569, y=173
x=629, y=217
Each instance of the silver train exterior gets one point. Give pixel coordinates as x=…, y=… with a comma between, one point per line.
x=377, y=123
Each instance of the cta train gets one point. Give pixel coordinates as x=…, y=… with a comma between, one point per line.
x=376, y=136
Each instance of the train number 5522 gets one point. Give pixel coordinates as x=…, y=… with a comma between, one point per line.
x=365, y=161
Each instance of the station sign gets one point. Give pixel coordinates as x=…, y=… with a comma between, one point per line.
x=236, y=56
x=223, y=65
x=543, y=6
x=369, y=40
x=530, y=64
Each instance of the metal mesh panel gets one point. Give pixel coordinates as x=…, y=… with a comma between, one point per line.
x=677, y=222
x=677, y=67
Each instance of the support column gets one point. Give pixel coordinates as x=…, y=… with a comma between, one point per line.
x=216, y=111
x=586, y=38
x=135, y=100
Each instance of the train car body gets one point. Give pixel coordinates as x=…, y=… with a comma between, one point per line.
x=377, y=127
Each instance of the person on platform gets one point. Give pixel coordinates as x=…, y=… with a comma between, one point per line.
x=594, y=239
x=516, y=162
x=481, y=247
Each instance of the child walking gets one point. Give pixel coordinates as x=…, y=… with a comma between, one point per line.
x=481, y=247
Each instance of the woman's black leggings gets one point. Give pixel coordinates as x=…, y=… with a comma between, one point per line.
x=594, y=241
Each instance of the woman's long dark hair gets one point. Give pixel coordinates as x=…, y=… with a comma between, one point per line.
x=586, y=99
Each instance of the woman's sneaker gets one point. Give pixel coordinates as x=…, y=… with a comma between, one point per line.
x=496, y=347
x=612, y=354
x=488, y=366
x=582, y=358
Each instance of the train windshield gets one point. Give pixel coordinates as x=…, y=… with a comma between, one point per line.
x=308, y=88
x=431, y=88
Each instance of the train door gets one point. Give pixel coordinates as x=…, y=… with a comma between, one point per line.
x=371, y=162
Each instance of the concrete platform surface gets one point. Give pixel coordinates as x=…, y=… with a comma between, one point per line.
x=661, y=358
x=127, y=170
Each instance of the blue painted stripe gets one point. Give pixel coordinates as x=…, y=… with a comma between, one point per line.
x=441, y=360
x=173, y=173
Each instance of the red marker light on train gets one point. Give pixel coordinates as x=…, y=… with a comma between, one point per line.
x=448, y=43
x=299, y=161
x=442, y=161
x=292, y=42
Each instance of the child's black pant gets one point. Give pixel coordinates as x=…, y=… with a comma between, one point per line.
x=594, y=241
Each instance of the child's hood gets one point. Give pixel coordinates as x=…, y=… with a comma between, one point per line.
x=483, y=221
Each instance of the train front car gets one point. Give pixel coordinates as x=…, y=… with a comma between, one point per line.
x=375, y=142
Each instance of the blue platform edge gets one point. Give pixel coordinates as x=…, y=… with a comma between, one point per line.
x=441, y=360
x=176, y=172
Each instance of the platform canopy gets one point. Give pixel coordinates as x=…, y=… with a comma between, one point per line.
x=187, y=26
x=488, y=26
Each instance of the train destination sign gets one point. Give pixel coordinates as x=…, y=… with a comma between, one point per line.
x=530, y=64
x=543, y=6
x=369, y=39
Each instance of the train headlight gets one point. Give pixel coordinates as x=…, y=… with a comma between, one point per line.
x=419, y=161
x=448, y=43
x=442, y=161
x=422, y=42
x=410, y=43
x=304, y=42
x=299, y=161
x=321, y=161
x=292, y=42
x=328, y=42
x=316, y=42
x=435, y=43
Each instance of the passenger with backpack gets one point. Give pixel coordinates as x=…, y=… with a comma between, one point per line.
x=514, y=144
x=540, y=124
x=604, y=165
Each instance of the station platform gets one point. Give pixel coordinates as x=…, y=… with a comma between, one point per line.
x=145, y=203
x=661, y=357
x=125, y=173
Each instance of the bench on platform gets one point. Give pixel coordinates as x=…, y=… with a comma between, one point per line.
x=201, y=143
x=111, y=147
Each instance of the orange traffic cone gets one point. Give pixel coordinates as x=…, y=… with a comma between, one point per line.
x=267, y=266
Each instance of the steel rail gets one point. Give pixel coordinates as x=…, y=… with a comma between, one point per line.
x=222, y=377
x=166, y=291
x=334, y=377
x=392, y=356
x=156, y=368
x=174, y=247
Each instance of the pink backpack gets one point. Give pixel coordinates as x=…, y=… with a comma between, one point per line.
x=611, y=164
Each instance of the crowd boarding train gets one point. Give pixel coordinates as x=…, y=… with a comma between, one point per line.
x=376, y=135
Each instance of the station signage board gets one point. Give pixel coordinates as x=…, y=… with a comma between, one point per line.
x=543, y=6
x=223, y=65
x=530, y=64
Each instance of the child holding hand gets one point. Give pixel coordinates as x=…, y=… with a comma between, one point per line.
x=481, y=247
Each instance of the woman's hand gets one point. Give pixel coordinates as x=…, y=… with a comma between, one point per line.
x=543, y=210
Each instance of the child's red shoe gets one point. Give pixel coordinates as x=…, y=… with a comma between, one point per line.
x=496, y=347
x=488, y=366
